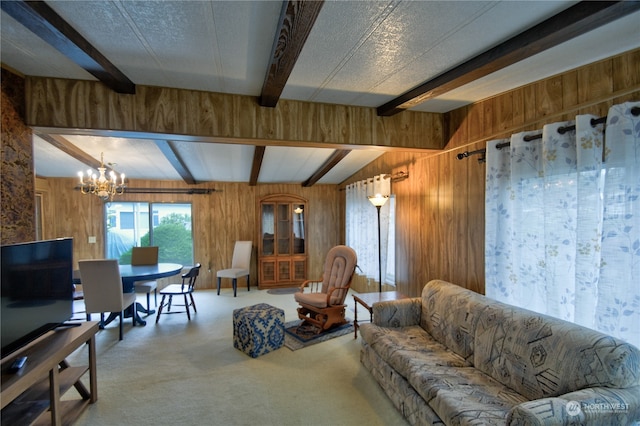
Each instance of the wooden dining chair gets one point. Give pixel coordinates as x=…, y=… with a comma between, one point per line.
x=184, y=289
x=102, y=288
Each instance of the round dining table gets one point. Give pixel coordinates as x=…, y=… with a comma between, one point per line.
x=130, y=274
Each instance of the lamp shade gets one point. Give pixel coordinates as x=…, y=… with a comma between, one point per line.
x=378, y=200
x=378, y=189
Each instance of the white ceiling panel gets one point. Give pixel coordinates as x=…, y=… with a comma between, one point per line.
x=395, y=45
x=49, y=161
x=136, y=158
x=245, y=32
x=475, y=33
x=290, y=164
x=355, y=160
x=338, y=33
x=217, y=162
x=28, y=54
x=143, y=40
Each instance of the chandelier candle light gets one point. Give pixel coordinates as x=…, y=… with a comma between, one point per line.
x=100, y=185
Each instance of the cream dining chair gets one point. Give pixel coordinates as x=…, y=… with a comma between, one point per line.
x=240, y=265
x=146, y=256
x=102, y=288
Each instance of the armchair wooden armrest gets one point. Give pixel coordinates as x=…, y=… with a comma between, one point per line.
x=315, y=286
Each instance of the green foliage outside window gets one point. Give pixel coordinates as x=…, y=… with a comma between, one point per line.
x=174, y=239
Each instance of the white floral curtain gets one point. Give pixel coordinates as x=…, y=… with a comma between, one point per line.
x=563, y=222
x=362, y=224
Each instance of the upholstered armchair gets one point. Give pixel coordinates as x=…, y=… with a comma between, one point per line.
x=322, y=302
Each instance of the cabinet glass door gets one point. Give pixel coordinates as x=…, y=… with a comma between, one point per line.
x=268, y=229
x=284, y=229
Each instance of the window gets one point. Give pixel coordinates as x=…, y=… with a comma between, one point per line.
x=166, y=225
x=561, y=234
x=390, y=274
x=39, y=216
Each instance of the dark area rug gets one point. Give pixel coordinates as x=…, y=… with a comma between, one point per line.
x=286, y=290
x=298, y=336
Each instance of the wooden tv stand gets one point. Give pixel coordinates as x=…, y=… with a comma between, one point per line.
x=32, y=395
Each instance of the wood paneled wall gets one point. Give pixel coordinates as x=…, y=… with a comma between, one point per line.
x=205, y=116
x=440, y=207
x=219, y=219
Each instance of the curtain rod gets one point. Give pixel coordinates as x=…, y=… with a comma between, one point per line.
x=466, y=154
x=562, y=130
x=186, y=191
x=395, y=177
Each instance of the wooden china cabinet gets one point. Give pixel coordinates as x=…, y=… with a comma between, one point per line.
x=282, y=245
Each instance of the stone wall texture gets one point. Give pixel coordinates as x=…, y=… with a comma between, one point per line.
x=17, y=180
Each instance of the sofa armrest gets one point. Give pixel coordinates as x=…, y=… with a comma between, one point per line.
x=397, y=313
x=597, y=405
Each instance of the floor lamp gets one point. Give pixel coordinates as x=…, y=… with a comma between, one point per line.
x=378, y=200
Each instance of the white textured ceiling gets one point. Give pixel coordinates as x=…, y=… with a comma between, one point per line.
x=362, y=53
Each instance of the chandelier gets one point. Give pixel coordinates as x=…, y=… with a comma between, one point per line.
x=100, y=185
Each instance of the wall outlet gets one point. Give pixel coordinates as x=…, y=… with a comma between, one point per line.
x=92, y=240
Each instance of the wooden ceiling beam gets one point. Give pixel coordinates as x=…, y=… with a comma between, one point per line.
x=171, y=153
x=331, y=162
x=248, y=123
x=43, y=21
x=296, y=20
x=258, y=156
x=572, y=22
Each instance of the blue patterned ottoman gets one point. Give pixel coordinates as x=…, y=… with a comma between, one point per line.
x=258, y=329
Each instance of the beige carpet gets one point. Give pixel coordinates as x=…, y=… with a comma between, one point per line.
x=188, y=373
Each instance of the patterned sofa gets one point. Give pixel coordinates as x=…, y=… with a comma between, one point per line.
x=455, y=357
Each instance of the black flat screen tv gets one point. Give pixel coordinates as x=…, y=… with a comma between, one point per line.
x=36, y=290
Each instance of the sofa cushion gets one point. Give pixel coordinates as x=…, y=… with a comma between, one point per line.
x=540, y=356
x=465, y=395
x=591, y=406
x=397, y=313
x=412, y=406
x=408, y=348
x=449, y=314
